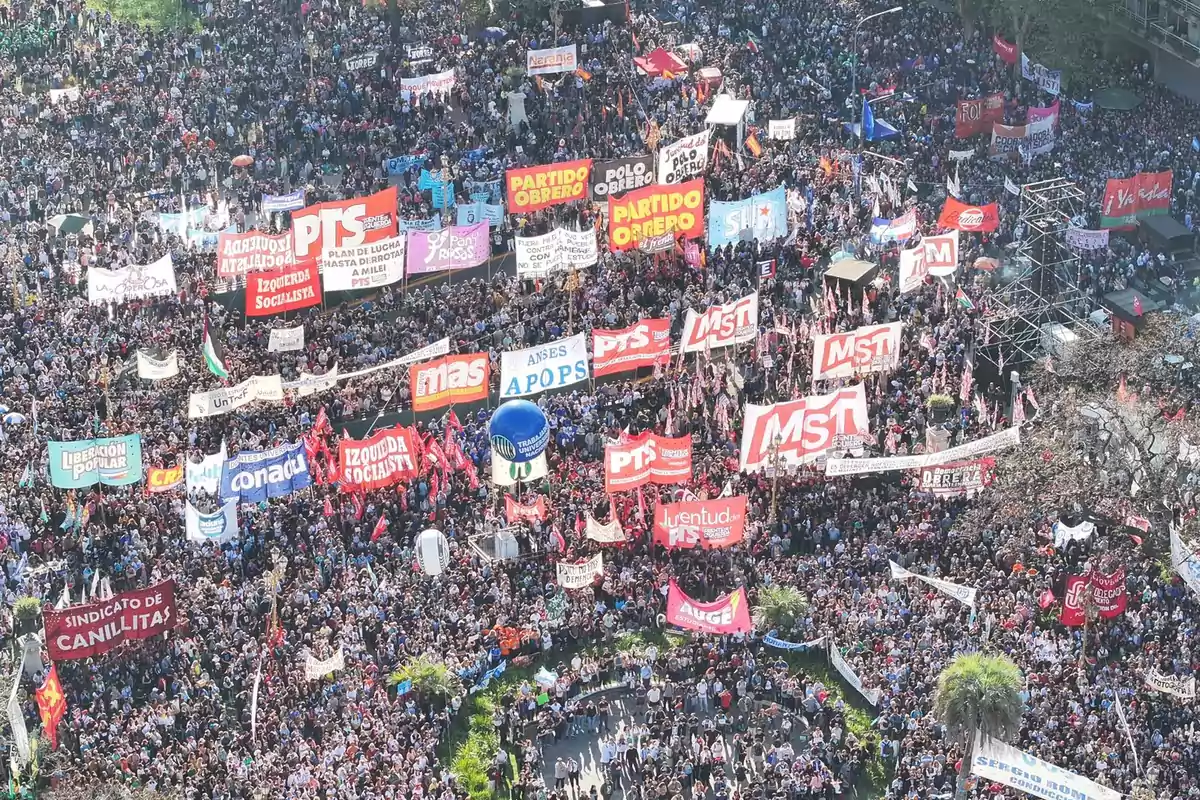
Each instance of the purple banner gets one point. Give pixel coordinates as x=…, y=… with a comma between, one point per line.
x=452, y=248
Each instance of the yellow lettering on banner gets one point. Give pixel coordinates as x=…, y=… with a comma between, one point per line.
x=661, y=213
x=545, y=194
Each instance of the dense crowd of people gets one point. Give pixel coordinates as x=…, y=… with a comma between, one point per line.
x=125, y=125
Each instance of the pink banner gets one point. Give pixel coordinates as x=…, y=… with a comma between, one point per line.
x=1037, y=114
x=451, y=248
x=728, y=614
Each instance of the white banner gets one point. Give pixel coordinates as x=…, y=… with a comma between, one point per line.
x=438, y=83
x=314, y=669
x=553, y=365
x=560, y=250
x=781, y=129
x=135, y=282
x=205, y=475
x=797, y=432
x=430, y=351
x=1009, y=437
x=1082, y=239
x=157, y=369
x=311, y=384
x=683, y=159
x=217, y=527
x=284, y=340
x=721, y=326
x=963, y=594
x=1185, y=557
x=222, y=401
x=585, y=573
x=552, y=60
x=364, y=266
x=606, y=533
x=1177, y=685
x=961, y=155
x=1002, y=763
x=873, y=696
x=510, y=473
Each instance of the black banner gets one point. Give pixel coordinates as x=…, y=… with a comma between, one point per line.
x=610, y=178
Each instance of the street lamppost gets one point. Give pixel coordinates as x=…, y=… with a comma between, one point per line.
x=854, y=63
x=778, y=440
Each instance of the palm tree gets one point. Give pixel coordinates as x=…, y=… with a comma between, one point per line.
x=779, y=607
x=430, y=678
x=978, y=692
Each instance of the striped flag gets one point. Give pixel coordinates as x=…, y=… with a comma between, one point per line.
x=961, y=298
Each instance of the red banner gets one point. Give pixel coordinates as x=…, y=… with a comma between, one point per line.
x=270, y=293
x=1127, y=200
x=535, y=188
x=254, y=251
x=701, y=523
x=95, y=628
x=977, y=116
x=1154, y=193
x=448, y=380
x=959, y=477
x=1108, y=596
x=342, y=223
x=1006, y=51
x=641, y=345
x=647, y=458
x=962, y=217
x=728, y=614
x=796, y=432
x=386, y=458
x=518, y=512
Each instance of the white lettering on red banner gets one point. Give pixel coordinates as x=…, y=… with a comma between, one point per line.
x=721, y=326
x=647, y=458
x=701, y=523
x=873, y=348
x=382, y=460
x=800, y=431
x=644, y=344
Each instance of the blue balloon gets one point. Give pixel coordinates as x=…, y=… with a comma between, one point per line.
x=518, y=431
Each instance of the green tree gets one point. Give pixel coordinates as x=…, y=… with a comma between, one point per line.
x=1064, y=33
x=430, y=678
x=978, y=692
x=779, y=607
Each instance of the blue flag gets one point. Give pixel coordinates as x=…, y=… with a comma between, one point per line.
x=1196, y=143
x=868, y=122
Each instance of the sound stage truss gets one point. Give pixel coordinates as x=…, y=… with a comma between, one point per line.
x=1041, y=283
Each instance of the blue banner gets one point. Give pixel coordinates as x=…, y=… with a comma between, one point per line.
x=430, y=224
x=272, y=203
x=112, y=462
x=206, y=241
x=253, y=476
x=471, y=213
x=770, y=640
x=399, y=165
x=760, y=218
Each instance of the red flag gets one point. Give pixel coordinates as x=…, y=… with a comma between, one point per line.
x=559, y=541
x=51, y=704
x=328, y=508
x=1137, y=306
x=1046, y=600
x=380, y=527
x=358, y=505
x=612, y=509
x=452, y=422
x=641, y=506
x=321, y=425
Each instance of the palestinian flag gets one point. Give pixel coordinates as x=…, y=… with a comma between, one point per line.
x=752, y=44
x=961, y=298
x=214, y=352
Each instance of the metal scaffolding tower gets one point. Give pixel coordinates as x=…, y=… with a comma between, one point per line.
x=1040, y=284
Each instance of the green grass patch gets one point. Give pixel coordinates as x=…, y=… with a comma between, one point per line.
x=636, y=642
x=156, y=14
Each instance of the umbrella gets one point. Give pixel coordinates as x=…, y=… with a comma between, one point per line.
x=987, y=264
x=494, y=33
x=3, y=409
x=13, y=418
x=242, y=160
x=71, y=225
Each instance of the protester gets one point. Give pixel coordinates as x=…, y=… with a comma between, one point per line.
x=126, y=126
